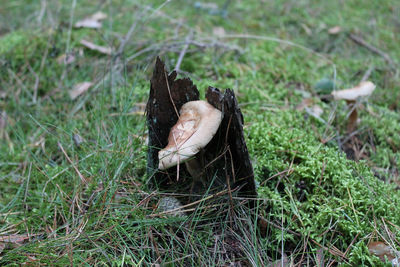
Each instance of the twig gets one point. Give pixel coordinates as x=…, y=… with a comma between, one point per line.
x=278, y=226
x=290, y=170
x=273, y=39
x=183, y=52
x=231, y=205
x=351, y=244
x=83, y=179
x=352, y=206
x=362, y=42
x=178, y=259
x=169, y=93
x=43, y=4
x=333, y=250
x=71, y=19
x=126, y=39
x=367, y=74
x=154, y=244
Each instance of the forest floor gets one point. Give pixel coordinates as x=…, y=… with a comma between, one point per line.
x=74, y=80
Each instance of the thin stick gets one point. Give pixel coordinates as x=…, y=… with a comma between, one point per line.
x=333, y=250
x=367, y=74
x=43, y=4
x=351, y=244
x=83, y=179
x=231, y=205
x=277, y=174
x=273, y=39
x=169, y=93
x=183, y=52
x=226, y=169
x=179, y=157
x=362, y=42
x=126, y=38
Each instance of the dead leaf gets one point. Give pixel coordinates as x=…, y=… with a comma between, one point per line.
x=381, y=250
x=66, y=59
x=98, y=48
x=219, y=31
x=306, y=29
x=79, y=89
x=78, y=140
x=210, y=5
x=335, y=30
x=306, y=102
x=316, y=110
x=92, y=22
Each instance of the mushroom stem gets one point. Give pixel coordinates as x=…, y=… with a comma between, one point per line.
x=195, y=169
x=352, y=121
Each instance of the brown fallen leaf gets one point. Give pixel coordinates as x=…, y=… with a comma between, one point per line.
x=79, y=89
x=93, y=21
x=95, y=47
x=335, y=30
x=381, y=250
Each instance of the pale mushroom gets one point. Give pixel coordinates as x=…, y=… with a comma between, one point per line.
x=363, y=89
x=197, y=124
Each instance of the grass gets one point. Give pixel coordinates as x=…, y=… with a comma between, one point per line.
x=316, y=199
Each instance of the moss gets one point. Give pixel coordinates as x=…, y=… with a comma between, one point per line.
x=321, y=189
x=9, y=41
x=20, y=45
x=385, y=126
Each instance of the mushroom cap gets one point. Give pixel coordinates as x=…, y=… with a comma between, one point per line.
x=363, y=89
x=197, y=124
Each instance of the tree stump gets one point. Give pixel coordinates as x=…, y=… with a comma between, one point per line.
x=226, y=160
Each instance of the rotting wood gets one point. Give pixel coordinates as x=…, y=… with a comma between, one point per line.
x=225, y=157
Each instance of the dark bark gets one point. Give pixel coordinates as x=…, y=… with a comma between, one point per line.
x=225, y=159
